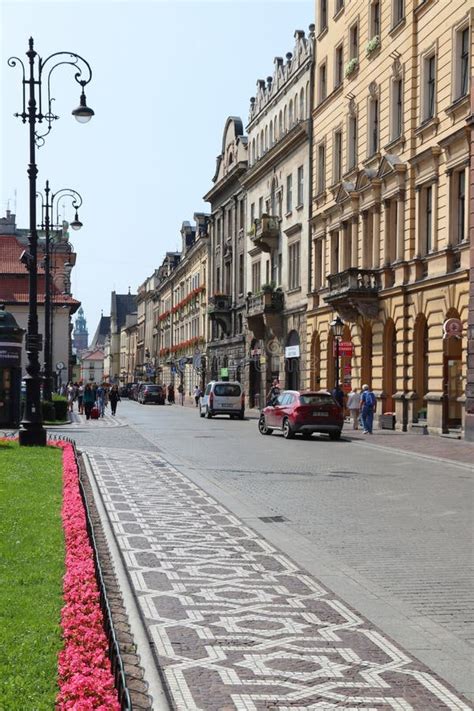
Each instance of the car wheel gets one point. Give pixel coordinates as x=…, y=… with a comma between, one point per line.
x=201, y=413
x=208, y=413
x=287, y=431
x=306, y=435
x=335, y=435
x=262, y=426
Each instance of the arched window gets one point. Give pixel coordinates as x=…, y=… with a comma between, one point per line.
x=389, y=364
x=420, y=367
x=266, y=138
x=253, y=156
x=262, y=143
x=285, y=124
x=290, y=114
x=302, y=111
x=271, y=134
x=295, y=104
x=280, y=125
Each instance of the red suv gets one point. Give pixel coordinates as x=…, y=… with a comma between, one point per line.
x=295, y=412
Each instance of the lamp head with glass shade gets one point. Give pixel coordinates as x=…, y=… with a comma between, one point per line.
x=83, y=113
x=76, y=224
x=337, y=327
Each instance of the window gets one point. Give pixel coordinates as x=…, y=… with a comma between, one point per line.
x=354, y=42
x=460, y=205
x=322, y=82
x=339, y=5
x=375, y=19
x=241, y=273
x=397, y=108
x=271, y=134
x=302, y=111
x=323, y=15
x=294, y=265
x=321, y=168
x=398, y=11
x=260, y=206
x=337, y=156
x=462, y=63
x=289, y=193
x=352, y=147
x=256, y=282
x=241, y=214
x=252, y=214
x=219, y=230
x=429, y=87
x=300, y=185
x=428, y=220
x=373, y=126
x=218, y=280
x=229, y=223
x=339, y=67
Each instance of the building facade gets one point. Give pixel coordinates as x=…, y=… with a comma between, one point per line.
x=389, y=227
x=145, y=368
x=180, y=312
x=226, y=349
x=278, y=183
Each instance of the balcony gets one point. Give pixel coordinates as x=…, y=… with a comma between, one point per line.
x=264, y=312
x=354, y=292
x=265, y=233
x=219, y=310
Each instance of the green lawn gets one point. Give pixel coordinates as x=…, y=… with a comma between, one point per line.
x=31, y=570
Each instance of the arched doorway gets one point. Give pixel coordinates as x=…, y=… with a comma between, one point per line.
x=255, y=374
x=366, y=355
x=452, y=377
x=292, y=361
x=389, y=364
x=420, y=367
x=315, y=365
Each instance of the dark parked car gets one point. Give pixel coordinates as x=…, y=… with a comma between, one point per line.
x=148, y=392
x=295, y=412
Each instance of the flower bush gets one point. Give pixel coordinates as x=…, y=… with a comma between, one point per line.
x=351, y=66
x=85, y=679
x=373, y=44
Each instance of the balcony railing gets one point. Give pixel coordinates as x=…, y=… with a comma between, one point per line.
x=354, y=292
x=265, y=233
x=219, y=304
x=265, y=303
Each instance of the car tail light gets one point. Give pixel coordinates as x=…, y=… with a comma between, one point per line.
x=211, y=399
x=242, y=400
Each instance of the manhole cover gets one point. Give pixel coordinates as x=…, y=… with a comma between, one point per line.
x=272, y=519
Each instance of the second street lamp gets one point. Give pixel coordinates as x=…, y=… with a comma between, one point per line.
x=32, y=431
x=47, y=206
x=337, y=328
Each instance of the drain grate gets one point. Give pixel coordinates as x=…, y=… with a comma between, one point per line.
x=272, y=519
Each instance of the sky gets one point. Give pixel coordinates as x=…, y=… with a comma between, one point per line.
x=166, y=75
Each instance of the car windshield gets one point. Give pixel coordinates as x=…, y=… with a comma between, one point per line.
x=227, y=390
x=317, y=399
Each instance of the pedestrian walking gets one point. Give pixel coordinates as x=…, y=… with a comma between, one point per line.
x=101, y=399
x=368, y=405
x=197, y=395
x=71, y=396
x=274, y=391
x=80, y=398
x=353, y=405
x=171, y=394
x=338, y=395
x=181, y=393
x=114, y=397
x=88, y=400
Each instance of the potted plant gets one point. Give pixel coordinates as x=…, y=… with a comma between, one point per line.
x=268, y=288
x=351, y=66
x=373, y=44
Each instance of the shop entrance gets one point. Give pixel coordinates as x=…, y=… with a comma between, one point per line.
x=452, y=383
x=255, y=374
x=292, y=361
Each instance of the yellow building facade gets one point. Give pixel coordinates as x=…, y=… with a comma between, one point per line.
x=390, y=239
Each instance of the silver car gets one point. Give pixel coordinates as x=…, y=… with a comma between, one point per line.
x=222, y=398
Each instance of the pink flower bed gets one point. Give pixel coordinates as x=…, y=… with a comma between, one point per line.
x=85, y=680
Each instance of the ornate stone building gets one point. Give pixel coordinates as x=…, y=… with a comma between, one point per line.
x=389, y=226
x=180, y=308
x=227, y=257
x=278, y=184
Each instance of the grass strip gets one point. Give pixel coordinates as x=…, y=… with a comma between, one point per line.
x=31, y=572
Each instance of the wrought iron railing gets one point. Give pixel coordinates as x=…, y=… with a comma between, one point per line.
x=353, y=279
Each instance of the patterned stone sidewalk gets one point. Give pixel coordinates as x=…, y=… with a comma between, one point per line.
x=235, y=624
x=79, y=421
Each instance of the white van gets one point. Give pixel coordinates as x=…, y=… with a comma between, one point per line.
x=222, y=398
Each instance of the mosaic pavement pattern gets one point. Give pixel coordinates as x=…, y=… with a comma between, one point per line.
x=235, y=624
x=80, y=422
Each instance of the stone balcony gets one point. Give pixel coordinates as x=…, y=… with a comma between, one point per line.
x=219, y=309
x=264, y=312
x=354, y=292
x=265, y=233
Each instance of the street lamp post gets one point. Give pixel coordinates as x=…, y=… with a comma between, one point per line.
x=47, y=205
x=337, y=328
x=32, y=431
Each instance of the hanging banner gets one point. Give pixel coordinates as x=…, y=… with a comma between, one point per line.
x=345, y=348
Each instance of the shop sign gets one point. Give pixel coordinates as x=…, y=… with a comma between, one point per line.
x=224, y=372
x=452, y=327
x=292, y=352
x=10, y=354
x=345, y=348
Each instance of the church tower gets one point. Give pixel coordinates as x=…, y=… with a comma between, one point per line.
x=80, y=335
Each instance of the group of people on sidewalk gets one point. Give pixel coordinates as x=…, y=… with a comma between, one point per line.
x=92, y=399
x=362, y=407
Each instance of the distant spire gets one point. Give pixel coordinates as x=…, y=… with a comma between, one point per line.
x=129, y=292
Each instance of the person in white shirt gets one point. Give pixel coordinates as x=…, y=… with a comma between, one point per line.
x=353, y=405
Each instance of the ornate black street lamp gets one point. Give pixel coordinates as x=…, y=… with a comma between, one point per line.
x=337, y=328
x=47, y=208
x=31, y=428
